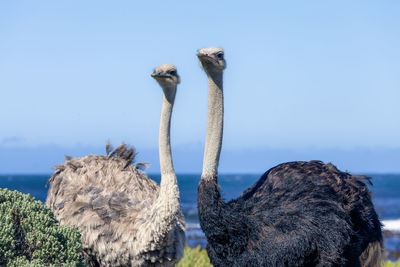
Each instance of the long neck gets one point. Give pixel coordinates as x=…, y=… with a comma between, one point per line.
x=215, y=125
x=169, y=192
x=166, y=165
x=210, y=204
x=161, y=218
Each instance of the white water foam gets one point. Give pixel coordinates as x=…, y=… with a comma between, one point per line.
x=193, y=226
x=391, y=225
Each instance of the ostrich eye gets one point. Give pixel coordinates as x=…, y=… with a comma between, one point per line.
x=220, y=55
x=172, y=72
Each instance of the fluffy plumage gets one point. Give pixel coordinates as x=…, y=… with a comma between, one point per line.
x=125, y=218
x=109, y=200
x=297, y=214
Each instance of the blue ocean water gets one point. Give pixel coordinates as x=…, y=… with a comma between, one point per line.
x=385, y=193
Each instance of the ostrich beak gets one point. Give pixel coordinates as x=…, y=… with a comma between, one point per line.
x=207, y=57
x=159, y=75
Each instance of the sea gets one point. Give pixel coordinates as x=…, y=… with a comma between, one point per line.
x=385, y=195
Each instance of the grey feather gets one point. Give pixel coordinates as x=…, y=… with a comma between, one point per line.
x=142, y=166
x=109, y=148
x=108, y=204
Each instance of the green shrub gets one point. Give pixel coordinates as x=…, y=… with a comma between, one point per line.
x=194, y=257
x=391, y=264
x=30, y=236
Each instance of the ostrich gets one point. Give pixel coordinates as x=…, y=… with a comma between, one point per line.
x=124, y=217
x=296, y=214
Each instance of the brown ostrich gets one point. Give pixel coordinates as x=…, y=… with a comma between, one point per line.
x=124, y=217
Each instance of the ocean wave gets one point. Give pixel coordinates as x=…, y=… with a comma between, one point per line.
x=391, y=225
x=192, y=226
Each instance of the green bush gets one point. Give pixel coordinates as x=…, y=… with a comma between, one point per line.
x=30, y=236
x=391, y=264
x=194, y=257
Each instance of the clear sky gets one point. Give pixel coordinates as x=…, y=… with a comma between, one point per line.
x=300, y=74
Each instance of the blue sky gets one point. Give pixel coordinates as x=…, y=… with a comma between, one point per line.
x=302, y=76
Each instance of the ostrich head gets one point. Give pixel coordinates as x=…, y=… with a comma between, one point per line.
x=212, y=60
x=167, y=77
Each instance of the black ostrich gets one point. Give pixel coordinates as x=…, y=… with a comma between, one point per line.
x=297, y=214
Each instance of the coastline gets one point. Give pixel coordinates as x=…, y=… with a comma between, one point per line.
x=391, y=233
x=391, y=225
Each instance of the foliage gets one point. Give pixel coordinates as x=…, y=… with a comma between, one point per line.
x=391, y=264
x=30, y=236
x=194, y=257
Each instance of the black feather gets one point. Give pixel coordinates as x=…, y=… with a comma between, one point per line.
x=296, y=214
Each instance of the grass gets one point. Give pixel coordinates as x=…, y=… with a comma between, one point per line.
x=392, y=264
x=196, y=257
